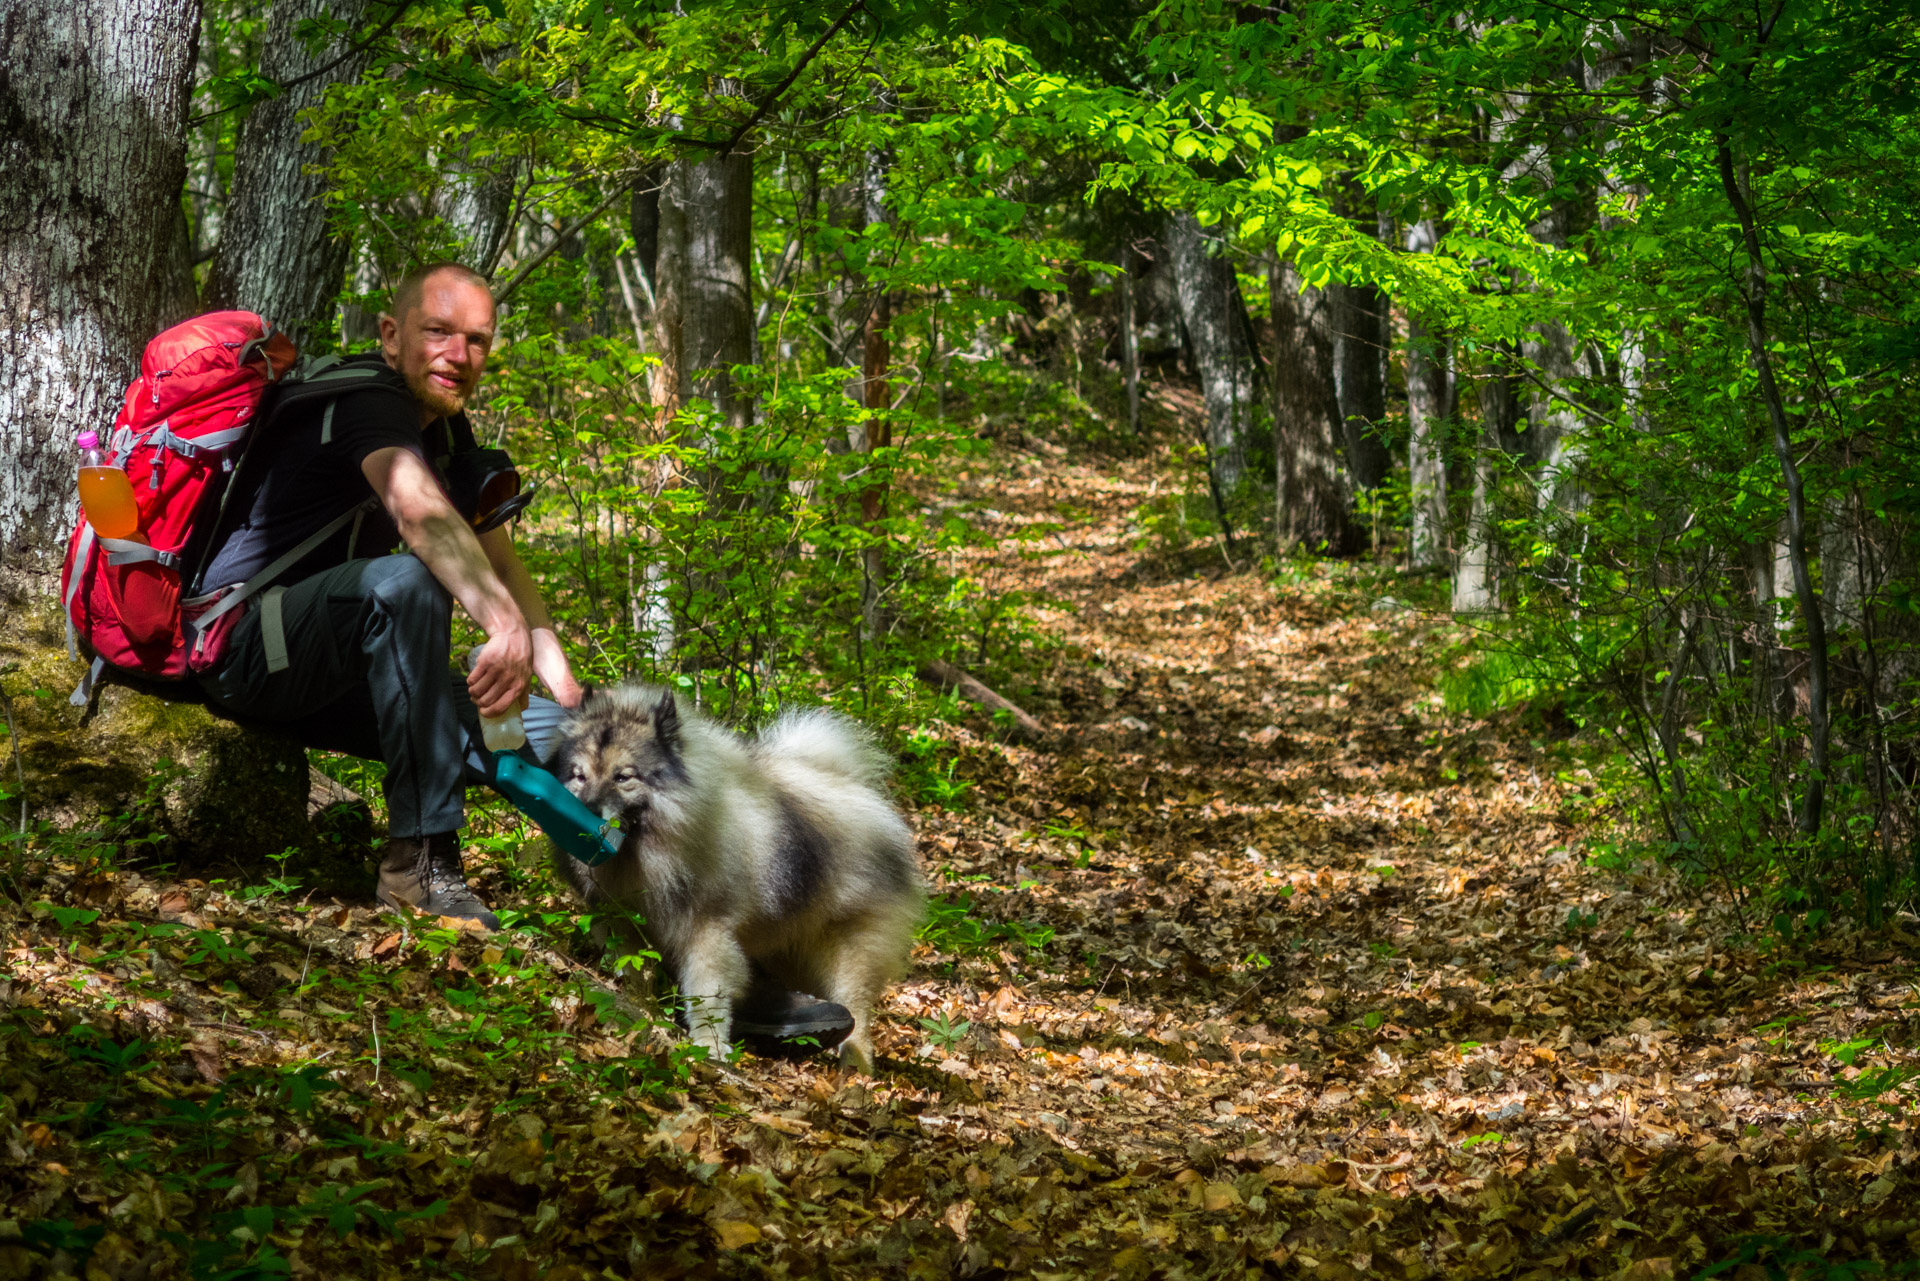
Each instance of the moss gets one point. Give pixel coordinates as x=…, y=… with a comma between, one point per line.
x=235, y=797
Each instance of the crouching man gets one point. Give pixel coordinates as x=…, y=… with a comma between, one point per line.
x=349, y=651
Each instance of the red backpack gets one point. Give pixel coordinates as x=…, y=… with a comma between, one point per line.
x=187, y=422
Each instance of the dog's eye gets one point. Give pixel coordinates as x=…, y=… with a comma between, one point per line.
x=578, y=774
x=625, y=776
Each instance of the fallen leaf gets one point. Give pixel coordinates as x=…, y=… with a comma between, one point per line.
x=1220, y=1196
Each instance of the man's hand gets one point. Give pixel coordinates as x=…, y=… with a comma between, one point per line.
x=550, y=662
x=499, y=680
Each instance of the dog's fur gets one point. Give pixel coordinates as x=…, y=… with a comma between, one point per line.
x=782, y=849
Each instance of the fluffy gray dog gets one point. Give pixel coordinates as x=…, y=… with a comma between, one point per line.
x=782, y=849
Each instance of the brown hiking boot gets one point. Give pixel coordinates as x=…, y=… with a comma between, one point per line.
x=424, y=873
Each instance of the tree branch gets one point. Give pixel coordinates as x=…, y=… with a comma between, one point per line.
x=767, y=103
x=567, y=233
x=722, y=151
x=944, y=675
x=359, y=46
x=1754, y=293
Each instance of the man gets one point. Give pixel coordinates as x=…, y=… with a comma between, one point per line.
x=353, y=656
x=351, y=651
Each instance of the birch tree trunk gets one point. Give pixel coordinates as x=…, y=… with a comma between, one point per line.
x=1210, y=307
x=1312, y=504
x=277, y=256
x=92, y=160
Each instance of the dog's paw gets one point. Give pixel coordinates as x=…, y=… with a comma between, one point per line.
x=714, y=1041
x=856, y=1056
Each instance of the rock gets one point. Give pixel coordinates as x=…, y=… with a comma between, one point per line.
x=220, y=797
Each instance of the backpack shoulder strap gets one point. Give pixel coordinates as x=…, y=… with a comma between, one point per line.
x=331, y=377
x=460, y=434
x=321, y=380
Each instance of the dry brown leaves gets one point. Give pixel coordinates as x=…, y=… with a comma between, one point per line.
x=1312, y=1005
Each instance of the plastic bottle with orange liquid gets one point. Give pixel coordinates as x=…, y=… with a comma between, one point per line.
x=106, y=495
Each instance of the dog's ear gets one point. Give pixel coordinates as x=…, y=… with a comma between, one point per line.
x=666, y=721
x=588, y=693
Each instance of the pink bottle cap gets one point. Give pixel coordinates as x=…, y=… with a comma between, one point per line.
x=89, y=440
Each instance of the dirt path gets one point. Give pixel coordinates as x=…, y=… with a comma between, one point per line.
x=1268, y=966
x=1331, y=986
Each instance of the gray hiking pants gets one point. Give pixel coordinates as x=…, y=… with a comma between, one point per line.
x=366, y=672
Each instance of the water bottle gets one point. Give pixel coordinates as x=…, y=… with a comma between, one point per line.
x=106, y=495
x=500, y=733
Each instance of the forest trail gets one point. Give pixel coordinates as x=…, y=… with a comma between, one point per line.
x=1269, y=966
x=1331, y=987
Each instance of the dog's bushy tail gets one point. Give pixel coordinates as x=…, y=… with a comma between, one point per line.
x=826, y=742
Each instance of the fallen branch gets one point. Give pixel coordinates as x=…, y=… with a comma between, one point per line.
x=944, y=675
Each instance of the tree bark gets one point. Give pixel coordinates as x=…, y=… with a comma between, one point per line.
x=1476, y=577
x=477, y=203
x=1312, y=505
x=876, y=397
x=277, y=255
x=1129, y=341
x=1210, y=307
x=1360, y=345
x=669, y=289
x=1426, y=418
x=93, y=108
x=643, y=224
x=715, y=205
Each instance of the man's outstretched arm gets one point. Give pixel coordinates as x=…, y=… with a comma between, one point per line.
x=435, y=532
x=549, y=660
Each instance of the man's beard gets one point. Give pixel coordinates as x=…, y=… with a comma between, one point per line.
x=443, y=401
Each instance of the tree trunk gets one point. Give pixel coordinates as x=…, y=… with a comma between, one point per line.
x=1552, y=420
x=1426, y=419
x=667, y=262
x=1210, y=307
x=92, y=161
x=643, y=224
x=1475, y=578
x=715, y=203
x=477, y=203
x=1129, y=341
x=1473, y=581
x=876, y=396
x=669, y=291
x=1312, y=505
x=277, y=256
x=1360, y=345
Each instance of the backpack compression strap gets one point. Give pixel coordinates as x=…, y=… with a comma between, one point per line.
x=231, y=598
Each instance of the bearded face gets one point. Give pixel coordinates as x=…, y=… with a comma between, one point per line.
x=440, y=344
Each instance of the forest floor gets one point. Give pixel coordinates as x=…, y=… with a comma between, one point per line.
x=1261, y=962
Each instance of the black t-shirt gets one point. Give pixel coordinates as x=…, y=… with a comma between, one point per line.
x=292, y=484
